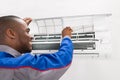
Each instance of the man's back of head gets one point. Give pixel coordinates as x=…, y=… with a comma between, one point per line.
x=5, y=23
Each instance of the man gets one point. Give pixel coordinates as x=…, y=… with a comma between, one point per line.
x=15, y=40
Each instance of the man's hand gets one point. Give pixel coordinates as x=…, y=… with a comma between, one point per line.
x=27, y=20
x=67, y=32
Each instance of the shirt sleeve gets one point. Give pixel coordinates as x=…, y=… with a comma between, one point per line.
x=55, y=60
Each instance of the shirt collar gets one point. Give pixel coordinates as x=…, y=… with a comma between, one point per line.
x=13, y=52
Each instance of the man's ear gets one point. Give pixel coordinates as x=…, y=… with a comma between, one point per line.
x=10, y=33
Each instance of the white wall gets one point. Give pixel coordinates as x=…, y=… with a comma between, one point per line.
x=81, y=68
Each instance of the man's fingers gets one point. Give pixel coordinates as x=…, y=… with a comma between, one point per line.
x=69, y=28
x=67, y=31
x=27, y=20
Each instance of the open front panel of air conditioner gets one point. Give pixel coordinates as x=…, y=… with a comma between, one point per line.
x=85, y=34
